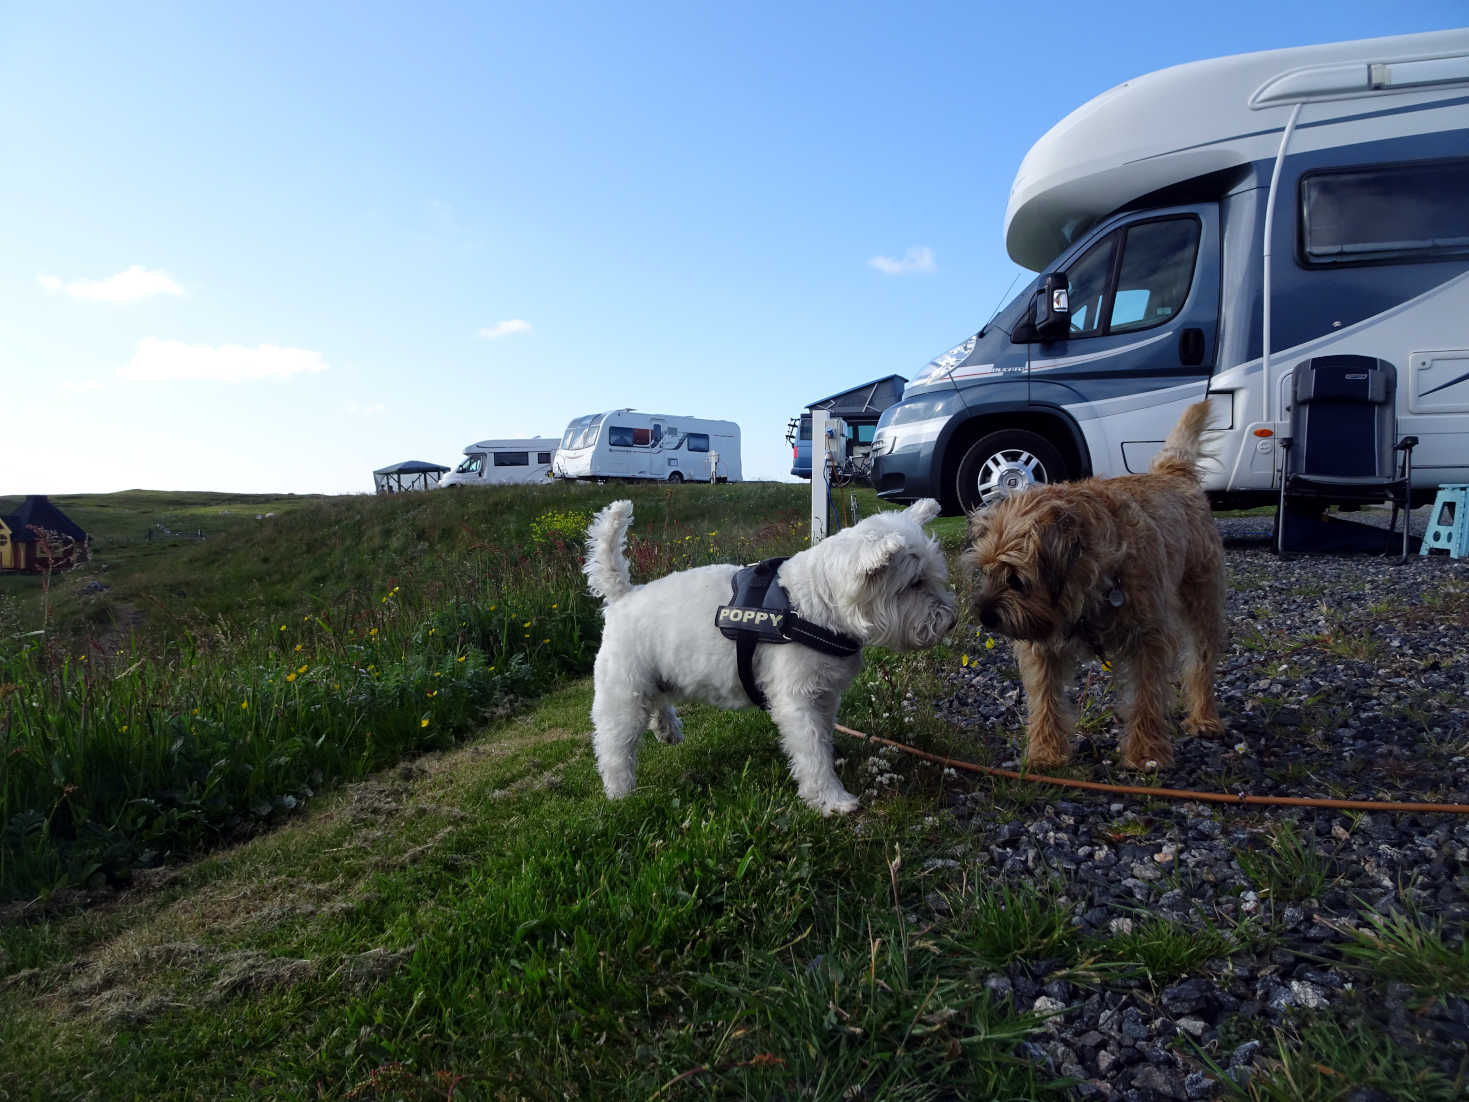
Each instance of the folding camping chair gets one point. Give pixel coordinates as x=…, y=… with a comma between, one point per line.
x=1343, y=445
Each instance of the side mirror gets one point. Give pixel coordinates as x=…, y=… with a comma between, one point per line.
x=1051, y=311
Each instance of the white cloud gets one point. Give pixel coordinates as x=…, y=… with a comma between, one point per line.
x=157, y=361
x=132, y=285
x=505, y=328
x=916, y=261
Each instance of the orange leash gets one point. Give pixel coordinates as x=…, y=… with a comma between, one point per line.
x=1242, y=798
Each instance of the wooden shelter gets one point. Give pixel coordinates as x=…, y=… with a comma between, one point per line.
x=38, y=537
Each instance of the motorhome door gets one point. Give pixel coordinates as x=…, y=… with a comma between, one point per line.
x=1144, y=318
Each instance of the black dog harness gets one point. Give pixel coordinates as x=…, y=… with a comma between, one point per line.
x=759, y=611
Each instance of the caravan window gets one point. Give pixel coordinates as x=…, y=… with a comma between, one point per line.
x=582, y=433
x=512, y=459
x=625, y=436
x=543, y=457
x=471, y=465
x=698, y=441
x=1391, y=214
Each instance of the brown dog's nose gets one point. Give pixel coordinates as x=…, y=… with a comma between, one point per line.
x=988, y=617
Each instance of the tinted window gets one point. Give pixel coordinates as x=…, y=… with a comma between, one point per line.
x=1376, y=215
x=698, y=441
x=1157, y=268
x=620, y=436
x=471, y=465
x=512, y=459
x=1087, y=280
x=543, y=457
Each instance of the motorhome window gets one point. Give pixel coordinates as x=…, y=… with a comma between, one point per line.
x=864, y=433
x=698, y=441
x=1087, y=280
x=472, y=465
x=512, y=459
x=1157, y=268
x=543, y=457
x=1395, y=213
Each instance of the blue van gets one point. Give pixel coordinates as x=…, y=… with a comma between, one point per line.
x=858, y=407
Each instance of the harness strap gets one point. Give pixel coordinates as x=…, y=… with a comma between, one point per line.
x=760, y=612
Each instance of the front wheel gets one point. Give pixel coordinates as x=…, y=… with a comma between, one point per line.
x=676, y=477
x=1005, y=462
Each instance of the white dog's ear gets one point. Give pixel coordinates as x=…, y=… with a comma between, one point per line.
x=923, y=510
x=877, y=553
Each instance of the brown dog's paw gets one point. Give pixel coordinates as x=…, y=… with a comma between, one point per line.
x=1207, y=727
x=1038, y=758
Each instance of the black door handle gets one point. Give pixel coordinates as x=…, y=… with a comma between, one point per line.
x=1191, y=347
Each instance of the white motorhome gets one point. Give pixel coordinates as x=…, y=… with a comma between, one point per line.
x=1200, y=231
x=625, y=443
x=496, y=462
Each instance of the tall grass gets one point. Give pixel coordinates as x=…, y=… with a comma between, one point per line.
x=361, y=630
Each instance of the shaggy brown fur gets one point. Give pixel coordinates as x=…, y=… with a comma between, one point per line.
x=1128, y=569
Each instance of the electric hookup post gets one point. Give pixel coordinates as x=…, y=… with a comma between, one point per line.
x=828, y=453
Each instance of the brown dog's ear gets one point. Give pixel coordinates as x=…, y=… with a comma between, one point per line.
x=979, y=524
x=1060, y=548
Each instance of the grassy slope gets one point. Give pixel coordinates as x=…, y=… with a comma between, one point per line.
x=485, y=917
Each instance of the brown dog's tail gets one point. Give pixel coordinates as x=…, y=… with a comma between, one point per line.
x=1183, y=451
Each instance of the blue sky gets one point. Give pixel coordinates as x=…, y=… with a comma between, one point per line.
x=272, y=247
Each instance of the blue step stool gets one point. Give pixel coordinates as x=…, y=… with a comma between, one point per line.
x=1448, y=523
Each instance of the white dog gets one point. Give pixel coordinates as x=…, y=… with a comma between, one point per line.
x=883, y=582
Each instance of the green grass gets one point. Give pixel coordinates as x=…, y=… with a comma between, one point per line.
x=1410, y=948
x=517, y=934
x=1322, y=1060
x=213, y=687
x=1290, y=868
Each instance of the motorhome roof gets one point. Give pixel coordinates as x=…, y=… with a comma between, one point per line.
x=1205, y=116
x=514, y=442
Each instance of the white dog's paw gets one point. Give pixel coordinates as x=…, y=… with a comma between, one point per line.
x=617, y=783
x=839, y=802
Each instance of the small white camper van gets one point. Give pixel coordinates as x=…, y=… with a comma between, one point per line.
x=497, y=462
x=625, y=443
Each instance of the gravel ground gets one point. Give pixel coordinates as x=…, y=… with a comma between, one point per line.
x=1346, y=677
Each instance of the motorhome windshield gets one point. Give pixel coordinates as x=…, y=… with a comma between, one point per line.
x=582, y=433
x=472, y=464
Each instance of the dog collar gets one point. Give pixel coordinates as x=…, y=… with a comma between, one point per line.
x=760, y=611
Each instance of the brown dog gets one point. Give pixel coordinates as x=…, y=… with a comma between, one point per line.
x=1128, y=569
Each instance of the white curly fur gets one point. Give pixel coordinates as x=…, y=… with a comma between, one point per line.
x=883, y=581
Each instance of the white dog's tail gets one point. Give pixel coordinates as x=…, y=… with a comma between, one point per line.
x=606, y=565
x=1183, y=451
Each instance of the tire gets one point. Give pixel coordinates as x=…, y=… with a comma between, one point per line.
x=676, y=477
x=1004, y=462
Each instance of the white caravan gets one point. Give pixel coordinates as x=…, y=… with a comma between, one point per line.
x=625, y=443
x=1200, y=231
x=496, y=462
